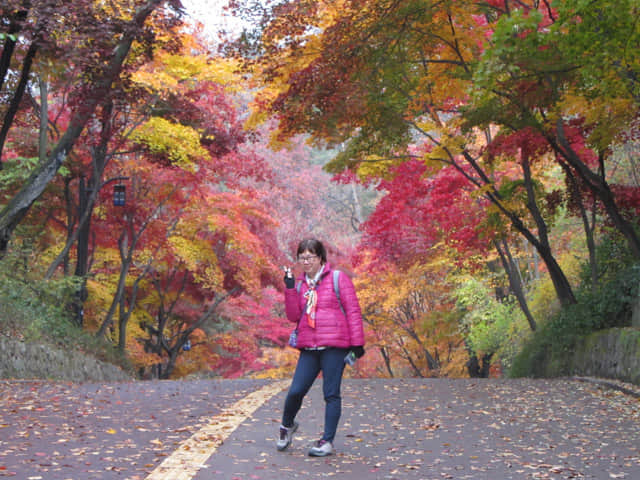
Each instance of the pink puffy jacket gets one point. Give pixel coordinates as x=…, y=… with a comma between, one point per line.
x=333, y=328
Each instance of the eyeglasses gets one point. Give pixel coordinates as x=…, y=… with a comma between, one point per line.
x=307, y=259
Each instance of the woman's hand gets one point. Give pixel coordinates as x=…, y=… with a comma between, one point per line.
x=358, y=351
x=289, y=281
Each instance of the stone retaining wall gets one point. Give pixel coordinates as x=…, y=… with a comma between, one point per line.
x=635, y=316
x=33, y=361
x=613, y=353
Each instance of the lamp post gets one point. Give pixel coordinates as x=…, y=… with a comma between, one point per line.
x=84, y=203
x=119, y=195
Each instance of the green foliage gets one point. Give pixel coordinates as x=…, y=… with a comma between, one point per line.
x=13, y=173
x=514, y=36
x=33, y=309
x=613, y=256
x=36, y=311
x=606, y=305
x=604, y=37
x=490, y=326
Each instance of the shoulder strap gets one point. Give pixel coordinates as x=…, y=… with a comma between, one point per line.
x=336, y=287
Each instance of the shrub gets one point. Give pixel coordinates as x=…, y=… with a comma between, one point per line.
x=36, y=311
x=607, y=304
x=490, y=326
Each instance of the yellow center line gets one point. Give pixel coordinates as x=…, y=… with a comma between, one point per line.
x=192, y=454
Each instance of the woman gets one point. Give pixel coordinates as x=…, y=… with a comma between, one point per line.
x=329, y=328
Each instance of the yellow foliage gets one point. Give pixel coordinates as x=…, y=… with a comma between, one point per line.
x=196, y=360
x=427, y=125
x=284, y=358
x=407, y=312
x=97, y=304
x=180, y=143
x=450, y=147
x=170, y=73
x=110, y=256
x=190, y=250
x=135, y=348
x=374, y=166
x=438, y=154
x=56, y=243
x=257, y=114
x=227, y=214
x=116, y=10
x=330, y=11
x=607, y=115
x=456, y=366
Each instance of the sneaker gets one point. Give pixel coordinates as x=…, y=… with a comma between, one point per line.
x=286, y=436
x=321, y=449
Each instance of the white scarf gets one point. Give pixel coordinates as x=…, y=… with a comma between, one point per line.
x=312, y=297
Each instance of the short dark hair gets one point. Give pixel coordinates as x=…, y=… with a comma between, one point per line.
x=314, y=246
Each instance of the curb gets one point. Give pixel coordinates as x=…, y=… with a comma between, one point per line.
x=626, y=388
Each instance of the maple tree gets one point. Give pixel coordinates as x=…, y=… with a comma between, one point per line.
x=172, y=255
x=66, y=78
x=418, y=214
x=159, y=268
x=376, y=75
x=305, y=200
x=552, y=66
x=109, y=51
x=461, y=135
x=406, y=312
x=198, y=234
x=373, y=118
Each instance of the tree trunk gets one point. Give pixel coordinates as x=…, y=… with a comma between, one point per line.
x=20, y=89
x=127, y=244
x=589, y=226
x=357, y=209
x=125, y=314
x=10, y=44
x=86, y=201
x=171, y=364
x=477, y=370
x=598, y=185
x=117, y=298
x=44, y=118
x=387, y=361
x=14, y=105
x=515, y=282
x=559, y=279
x=409, y=359
x=560, y=282
x=123, y=320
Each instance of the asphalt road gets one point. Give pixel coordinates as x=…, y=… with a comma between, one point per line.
x=390, y=429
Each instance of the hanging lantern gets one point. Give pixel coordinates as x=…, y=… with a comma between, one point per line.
x=119, y=195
